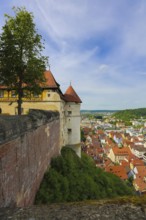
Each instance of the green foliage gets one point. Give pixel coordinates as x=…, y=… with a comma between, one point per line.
x=73, y=179
x=83, y=138
x=129, y=114
x=21, y=62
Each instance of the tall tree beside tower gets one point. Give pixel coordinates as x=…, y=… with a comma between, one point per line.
x=22, y=64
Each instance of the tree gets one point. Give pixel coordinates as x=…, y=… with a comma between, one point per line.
x=21, y=63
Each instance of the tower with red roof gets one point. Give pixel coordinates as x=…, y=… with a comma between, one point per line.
x=72, y=108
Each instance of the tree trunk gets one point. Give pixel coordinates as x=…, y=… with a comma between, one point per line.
x=19, y=101
x=20, y=95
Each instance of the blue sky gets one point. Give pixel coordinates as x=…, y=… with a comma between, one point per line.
x=98, y=45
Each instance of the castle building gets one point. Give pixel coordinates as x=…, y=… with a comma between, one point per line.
x=50, y=98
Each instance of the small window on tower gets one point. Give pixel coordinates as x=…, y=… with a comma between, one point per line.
x=69, y=130
x=69, y=112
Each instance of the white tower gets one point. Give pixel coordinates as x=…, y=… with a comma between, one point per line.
x=72, y=113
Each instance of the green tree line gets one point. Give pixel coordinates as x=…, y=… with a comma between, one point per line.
x=130, y=114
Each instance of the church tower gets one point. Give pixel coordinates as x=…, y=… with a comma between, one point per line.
x=72, y=113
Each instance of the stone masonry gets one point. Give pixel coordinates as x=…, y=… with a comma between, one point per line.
x=76, y=212
x=27, y=144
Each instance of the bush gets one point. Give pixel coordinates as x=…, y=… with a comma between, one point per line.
x=73, y=179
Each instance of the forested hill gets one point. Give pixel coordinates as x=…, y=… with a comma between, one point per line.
x=71, y=178
x=130, y=114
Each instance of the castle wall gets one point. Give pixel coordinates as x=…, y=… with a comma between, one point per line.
x=47, y=100
x=27, y=144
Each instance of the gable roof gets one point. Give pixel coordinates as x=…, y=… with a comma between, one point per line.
x=121, y=151
x=49, y=83
x=50, y=80
x=71, y=96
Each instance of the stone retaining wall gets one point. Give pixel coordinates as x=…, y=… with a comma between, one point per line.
x=27, y=144
x=76, y=212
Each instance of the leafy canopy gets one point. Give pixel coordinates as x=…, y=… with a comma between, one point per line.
x=21, y=62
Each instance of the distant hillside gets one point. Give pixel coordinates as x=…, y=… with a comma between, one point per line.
x=73, y=179
x=98, y=111
x=130, y=114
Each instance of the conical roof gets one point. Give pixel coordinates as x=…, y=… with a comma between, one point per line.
x=71, y=96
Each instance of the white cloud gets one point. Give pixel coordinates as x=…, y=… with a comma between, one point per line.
x=98, y=45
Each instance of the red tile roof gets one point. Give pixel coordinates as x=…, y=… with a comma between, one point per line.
x=71, y=96
x=50, y=80
x=121, y=151
x=49, y=83
x=99, y=131
x=140, y=178
x=118, y=171
x=137, y=162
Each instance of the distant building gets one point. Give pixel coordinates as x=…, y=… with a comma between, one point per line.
x=139, y=150
x=119, y=154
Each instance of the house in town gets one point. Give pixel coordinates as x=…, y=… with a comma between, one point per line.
x=118, y=154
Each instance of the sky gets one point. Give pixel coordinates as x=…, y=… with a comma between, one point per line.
x=99, y=46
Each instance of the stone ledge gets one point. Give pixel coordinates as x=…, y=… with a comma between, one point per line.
x=76, y=212
x=14, y=126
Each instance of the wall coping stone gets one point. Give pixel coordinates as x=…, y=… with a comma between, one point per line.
x=13, y=126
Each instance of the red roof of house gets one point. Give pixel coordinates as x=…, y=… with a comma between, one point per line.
x=121, y=151
x=140, y=178
x=71, y=96
x=118, y=171
x=99, y=131
x=137, y=162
